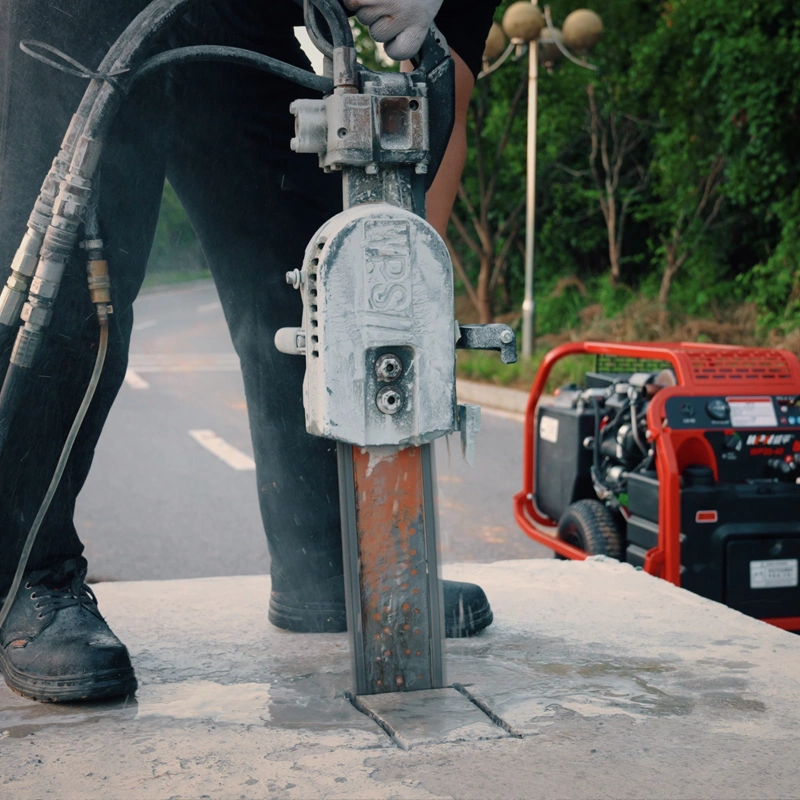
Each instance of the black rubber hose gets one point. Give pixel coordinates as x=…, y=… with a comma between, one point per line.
x=337, y=21
x=10, y=397
x=140, y=33
x=315, y=33
x=233, y=55
x=143, y=32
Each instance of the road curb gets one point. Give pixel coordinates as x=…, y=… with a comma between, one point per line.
x=486, y=394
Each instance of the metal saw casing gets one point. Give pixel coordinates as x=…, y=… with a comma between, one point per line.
x=377, y=280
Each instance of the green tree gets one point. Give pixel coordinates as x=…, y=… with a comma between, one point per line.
x=724, y=81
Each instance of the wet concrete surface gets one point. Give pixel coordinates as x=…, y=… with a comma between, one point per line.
x=610, y=683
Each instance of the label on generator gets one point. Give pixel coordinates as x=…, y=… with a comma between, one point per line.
x=548, y=429
x=779, y=573
x=752, y=412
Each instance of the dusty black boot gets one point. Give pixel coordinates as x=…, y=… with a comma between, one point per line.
x=466, y=609
x=55, y=646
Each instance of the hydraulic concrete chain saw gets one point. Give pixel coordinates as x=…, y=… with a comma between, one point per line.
x=379, y=340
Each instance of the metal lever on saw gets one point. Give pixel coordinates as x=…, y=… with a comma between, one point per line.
x=494, y=336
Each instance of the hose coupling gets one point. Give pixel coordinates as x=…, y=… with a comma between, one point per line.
x=99, y=282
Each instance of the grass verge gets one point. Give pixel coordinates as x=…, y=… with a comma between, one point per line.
x=486, y=367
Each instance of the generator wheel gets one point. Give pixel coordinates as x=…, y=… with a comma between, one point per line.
x=589, y=525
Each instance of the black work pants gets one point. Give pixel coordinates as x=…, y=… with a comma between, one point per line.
x=220, y=134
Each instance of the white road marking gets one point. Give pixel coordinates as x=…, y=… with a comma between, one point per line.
x=155, y=362
x=144, y=325
x=206, y=307
x=136, y=381
x=224, y=451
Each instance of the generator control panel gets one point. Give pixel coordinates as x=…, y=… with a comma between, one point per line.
x=753, y=437
x=736, y=411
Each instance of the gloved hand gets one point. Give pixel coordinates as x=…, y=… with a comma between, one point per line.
x=401, y=25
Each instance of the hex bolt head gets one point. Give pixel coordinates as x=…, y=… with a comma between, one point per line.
x=294, y=278
x=389, y=400
x=388, y=367
x=506, y=337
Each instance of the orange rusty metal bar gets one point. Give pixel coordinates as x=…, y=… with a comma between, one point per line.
x=394, y=603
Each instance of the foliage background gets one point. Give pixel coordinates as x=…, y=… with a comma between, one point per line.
x=698, y=103
x=708, y=94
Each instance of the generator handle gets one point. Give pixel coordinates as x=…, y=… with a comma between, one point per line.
x=534, y=522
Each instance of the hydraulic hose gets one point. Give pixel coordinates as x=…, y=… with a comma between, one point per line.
x=635, y=429
x=314, y=31
x=338, y=23
x=233, y=55
x=59, y=472
x=57, y=217
x=136, y=38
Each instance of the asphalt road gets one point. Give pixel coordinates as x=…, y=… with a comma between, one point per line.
x=172, y=492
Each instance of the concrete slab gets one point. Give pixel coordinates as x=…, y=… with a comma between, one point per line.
x=432, y=716
x=619, y=684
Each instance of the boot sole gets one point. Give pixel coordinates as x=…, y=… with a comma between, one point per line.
x=334, y=620
x=307, y=619
x=478, y=620
x=100, y=686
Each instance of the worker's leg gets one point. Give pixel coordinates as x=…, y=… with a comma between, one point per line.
x=37, y=104
x=42, y=640
x=255, y=205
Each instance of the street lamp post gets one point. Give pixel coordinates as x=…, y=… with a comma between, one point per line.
x=529, y=302
x=524, y=25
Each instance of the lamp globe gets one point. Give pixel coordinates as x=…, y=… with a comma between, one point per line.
x=549, y=52
x=495, y=43
x=523, y=22
x=582, y=29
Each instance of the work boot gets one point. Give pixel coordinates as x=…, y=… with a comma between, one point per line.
x=55, y=646
x=466, y=609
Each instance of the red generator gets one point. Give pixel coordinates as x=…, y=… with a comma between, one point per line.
x=681, y=459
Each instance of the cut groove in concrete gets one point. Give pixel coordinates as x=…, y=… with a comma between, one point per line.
x=484, y=706
x=430, y=716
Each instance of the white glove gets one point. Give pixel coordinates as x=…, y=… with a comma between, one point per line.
x=401, y=25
